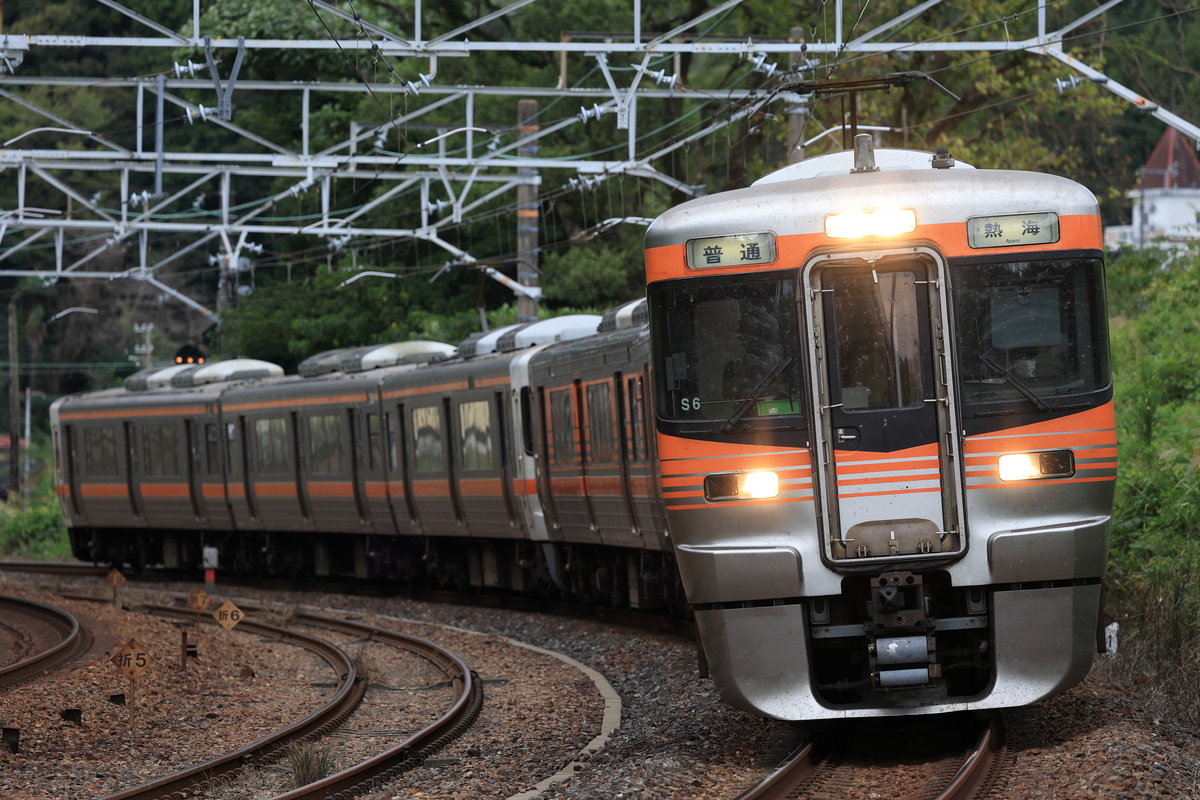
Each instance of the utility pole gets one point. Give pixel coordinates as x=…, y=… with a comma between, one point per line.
x=795, y=150
x=14, y=407
x=527, y=212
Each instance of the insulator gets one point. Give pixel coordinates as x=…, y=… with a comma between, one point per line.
x=186, y=68
x=199, y=112
x=1069, y=83
x=594, y=112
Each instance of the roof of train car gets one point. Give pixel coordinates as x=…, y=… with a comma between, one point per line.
x=99, y=403
x=453, y=374
x=594, y=351
x=800, y=205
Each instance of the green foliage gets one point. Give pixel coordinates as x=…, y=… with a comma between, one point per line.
x=1155, y=557
x=36, y=533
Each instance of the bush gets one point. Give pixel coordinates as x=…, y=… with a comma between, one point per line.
x=35, y=533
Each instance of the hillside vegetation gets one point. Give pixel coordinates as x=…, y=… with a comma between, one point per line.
x=1154, y=576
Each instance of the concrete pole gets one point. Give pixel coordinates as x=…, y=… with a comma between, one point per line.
x=795, y=152
x=527, y=212
x=14, y=407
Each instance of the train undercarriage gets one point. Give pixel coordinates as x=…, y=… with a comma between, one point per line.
x=620, y=578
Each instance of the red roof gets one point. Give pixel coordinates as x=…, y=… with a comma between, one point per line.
x=1172, y=165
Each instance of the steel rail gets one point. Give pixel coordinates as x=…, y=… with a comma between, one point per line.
x=65, y=626
x=977, y=770
x=408, y=755
x=186, y=783
x=974, y=775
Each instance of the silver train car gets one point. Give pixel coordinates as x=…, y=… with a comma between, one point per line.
x=885, y=432
x=523, y=459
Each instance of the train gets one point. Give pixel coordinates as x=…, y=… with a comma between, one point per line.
x=860, y=427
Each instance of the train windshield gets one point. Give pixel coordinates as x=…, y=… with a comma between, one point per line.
x=727, y=351
x=1031, y=332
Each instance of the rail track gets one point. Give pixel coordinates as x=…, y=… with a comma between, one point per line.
x=830, y=768
x=43, y=637
x=359, y=778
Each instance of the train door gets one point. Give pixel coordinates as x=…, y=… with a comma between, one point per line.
x=564, y=467
x=639, y=473
x=212, y=475
x=888, y=475
x=328, y=472
x=195, y=469
x=132, y=472
x=396, y=426
x=239, y=486
x=477, y=433
x=434, y=499
x=274, y=465
x=372, y=477
x=605, y=471
x=67, y=464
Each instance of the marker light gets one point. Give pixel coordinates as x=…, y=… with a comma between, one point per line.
x=857, y=224
x=741, y=486
x=1032, y=466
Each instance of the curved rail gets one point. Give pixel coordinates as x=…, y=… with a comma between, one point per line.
x=186, y=783
x=411, y=753
x=363, y=777
x=64, y=627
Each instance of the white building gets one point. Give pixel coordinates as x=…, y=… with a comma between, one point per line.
x=1166, y=198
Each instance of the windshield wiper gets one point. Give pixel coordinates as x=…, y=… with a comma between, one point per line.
x=741, y=410
x=1016, y=383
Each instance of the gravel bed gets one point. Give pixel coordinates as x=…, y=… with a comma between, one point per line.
x=675, y=738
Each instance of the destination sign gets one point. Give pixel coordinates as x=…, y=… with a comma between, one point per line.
x=736, y=250
x=1012, y=230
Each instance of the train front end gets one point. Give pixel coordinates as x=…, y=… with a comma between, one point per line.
x=884, y=410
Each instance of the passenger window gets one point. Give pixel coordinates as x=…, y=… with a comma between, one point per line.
x=562, y=424
x=160, y=449
x=233, y=449
x=600, y=428
x=212, y=450
x=271, y=435
x=475, y=427
x=100, y=452
x=325, y=444
x=374, y=443
x=428, y=452
x=637, y=425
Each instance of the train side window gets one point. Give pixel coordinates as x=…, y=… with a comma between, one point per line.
x=325, y=443
x=637, y=425
x=562, y=422
x=374, y=443
x=212, y=450
x=272, y=440
x=393, y=440
x=600, y=429
x=527, y=419
x=475, y=430
x=233, y=449
x=160, y=450
x=100, y=451
x=428, y=449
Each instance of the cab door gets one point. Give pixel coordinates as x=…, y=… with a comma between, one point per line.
x=888, y=469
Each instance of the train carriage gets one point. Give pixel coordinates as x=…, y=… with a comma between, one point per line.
x=886, y=434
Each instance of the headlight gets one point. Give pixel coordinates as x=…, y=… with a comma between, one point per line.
x=857, y=224
x=1032, y=466
x=741, y=485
